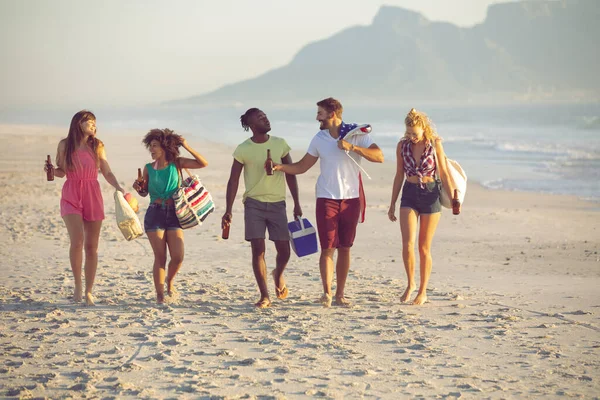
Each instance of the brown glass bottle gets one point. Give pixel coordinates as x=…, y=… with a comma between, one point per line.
x=140, y=181
x=269, y=165
x=49, y=169
x=225, y=233
x=455, y=203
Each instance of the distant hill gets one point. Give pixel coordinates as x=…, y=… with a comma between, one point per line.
x=531, y=51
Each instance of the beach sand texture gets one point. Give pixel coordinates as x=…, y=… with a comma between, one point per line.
x=513, y=313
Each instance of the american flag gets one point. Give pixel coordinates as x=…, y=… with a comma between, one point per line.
x=345, y=128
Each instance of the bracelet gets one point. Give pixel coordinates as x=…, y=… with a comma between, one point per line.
x=352, y=148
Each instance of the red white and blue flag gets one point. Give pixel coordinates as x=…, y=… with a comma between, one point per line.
x=345, y=129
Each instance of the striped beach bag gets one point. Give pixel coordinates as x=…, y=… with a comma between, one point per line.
x=192, y=201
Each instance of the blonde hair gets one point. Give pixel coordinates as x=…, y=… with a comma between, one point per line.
x=420, y=119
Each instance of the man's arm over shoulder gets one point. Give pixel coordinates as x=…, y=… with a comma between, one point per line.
x=299, y=167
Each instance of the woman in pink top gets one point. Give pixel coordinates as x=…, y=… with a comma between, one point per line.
x=79, y=157
x=420, y=203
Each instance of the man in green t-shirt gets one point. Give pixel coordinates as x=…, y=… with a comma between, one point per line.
x=264, y=199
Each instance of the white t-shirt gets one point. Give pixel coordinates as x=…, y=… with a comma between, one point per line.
x=339, y=175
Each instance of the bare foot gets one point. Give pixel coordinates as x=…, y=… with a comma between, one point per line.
x=406, y=296
x=170, y=287
x=420, y=299
x=263, y=303
x=172, y=292
x=89, y=299
x=326, y=300
x=172, y=297
x=160, y=298
x=342, y=302
x=77, y=297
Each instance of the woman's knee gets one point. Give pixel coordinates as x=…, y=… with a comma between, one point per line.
x=91, y=247
x=160, y=260
x=425, y=250
x=408, y=245
x=177, y=258
x=77, y=244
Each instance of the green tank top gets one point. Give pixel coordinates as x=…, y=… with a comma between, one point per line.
x=162, y=183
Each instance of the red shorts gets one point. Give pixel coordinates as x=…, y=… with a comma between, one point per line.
x=336, y=222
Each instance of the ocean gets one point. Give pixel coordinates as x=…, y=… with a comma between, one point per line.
x=533, y=148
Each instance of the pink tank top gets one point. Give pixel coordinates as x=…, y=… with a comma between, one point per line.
x=85, y=167
x=81, y=192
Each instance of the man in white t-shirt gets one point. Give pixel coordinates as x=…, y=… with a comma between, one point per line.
x=338, y=191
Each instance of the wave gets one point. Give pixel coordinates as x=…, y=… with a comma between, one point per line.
x=588, y=122
x=553, y=150
x=580, y=189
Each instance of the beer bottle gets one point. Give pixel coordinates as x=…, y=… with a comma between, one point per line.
x=49, y=169
x=140, y=181
x=269, y=163
x=225, y=233
x=455, y=203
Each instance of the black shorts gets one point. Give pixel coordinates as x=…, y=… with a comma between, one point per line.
x=422, y=200
x=161, y=218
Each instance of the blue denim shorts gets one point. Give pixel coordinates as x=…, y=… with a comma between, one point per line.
x=161, y=217
x=422, y=200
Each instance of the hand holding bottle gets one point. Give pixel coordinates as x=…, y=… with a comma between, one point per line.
x=269, y=163
x=455, y=203
x=140, y=185
x=225, y=224
x=49, y=168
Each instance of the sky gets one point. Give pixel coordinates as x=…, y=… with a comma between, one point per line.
x=74, y=53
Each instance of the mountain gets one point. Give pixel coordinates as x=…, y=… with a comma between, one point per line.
x=525, y=51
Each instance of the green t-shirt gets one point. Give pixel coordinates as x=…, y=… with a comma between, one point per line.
x=162, y=183
x=260, y=186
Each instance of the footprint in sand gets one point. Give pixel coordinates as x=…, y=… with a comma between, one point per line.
x=282, y=370
x=83, y=387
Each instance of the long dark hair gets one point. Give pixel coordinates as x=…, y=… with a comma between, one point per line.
x=169, y=141
x=76, y=135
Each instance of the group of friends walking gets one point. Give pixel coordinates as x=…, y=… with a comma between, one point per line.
x=339, y=198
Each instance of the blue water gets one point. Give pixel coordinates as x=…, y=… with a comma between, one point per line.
x=549, y=149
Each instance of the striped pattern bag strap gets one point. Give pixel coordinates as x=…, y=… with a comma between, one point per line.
x=185, y=197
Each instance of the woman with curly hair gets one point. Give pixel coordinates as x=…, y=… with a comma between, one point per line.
x=79, y=156
x=420, y=202
x=161, y=223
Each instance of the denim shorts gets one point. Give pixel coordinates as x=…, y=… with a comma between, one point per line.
x=260, y=217
x=422, y=200
x=161, y=217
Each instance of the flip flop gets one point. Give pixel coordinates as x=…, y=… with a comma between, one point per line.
x=263, y=303
x=281, y=293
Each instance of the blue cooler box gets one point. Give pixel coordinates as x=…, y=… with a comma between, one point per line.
x=303, y=237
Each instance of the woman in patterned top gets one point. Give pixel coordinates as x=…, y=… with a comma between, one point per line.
x=420, y=202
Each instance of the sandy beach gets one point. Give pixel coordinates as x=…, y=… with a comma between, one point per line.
x=514, y=307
